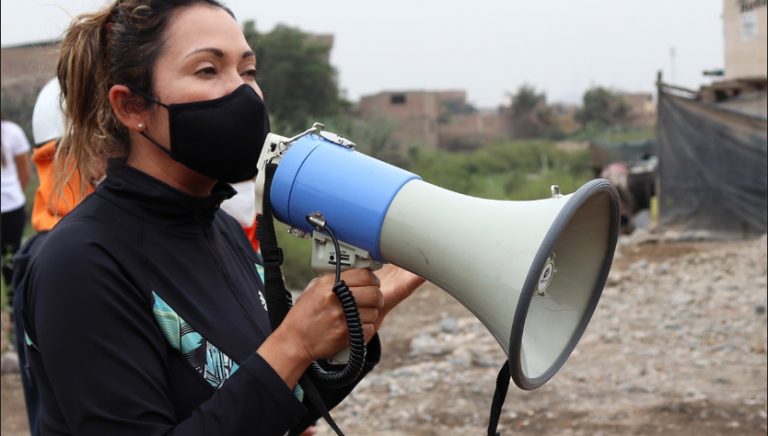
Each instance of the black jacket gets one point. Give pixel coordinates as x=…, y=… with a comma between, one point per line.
x=143, y=311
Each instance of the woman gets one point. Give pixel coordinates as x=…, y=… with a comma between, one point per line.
x=143, y=309
x=15, y=176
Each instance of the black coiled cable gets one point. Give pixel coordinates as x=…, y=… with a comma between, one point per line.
x=354, y=365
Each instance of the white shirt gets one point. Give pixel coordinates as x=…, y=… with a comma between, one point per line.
x=15, y=143
x=243, y=205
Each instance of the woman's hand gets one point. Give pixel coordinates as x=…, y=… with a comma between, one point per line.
x=397, y=284
x=319, y=318
x=315, y=327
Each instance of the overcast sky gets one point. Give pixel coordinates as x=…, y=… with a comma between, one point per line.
x=486, y=47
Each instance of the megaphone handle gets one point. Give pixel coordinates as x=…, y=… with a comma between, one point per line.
x=357, y=348
x=340, y=358
x=324, y=261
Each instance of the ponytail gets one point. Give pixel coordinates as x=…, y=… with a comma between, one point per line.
x=84, y=80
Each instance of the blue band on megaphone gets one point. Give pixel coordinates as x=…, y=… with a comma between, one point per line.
x=353, y=191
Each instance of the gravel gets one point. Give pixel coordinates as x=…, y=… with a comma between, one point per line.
x=677, y=345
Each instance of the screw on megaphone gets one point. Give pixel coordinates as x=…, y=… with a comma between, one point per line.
x=317, y=220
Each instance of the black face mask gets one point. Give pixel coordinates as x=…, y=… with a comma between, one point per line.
x=220, y=138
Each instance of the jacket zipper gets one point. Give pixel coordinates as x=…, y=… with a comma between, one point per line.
x=228, y=280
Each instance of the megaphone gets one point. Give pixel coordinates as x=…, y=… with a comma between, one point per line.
x=531, y=271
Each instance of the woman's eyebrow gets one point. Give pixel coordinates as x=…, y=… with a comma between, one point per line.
x=218, y=52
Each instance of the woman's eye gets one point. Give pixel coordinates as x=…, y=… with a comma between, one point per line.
x=206, y=71
x=250, y=73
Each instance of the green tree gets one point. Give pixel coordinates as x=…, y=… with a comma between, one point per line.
x=531, y=117
x=527, y=99
x=602, y=107
x=294, y=72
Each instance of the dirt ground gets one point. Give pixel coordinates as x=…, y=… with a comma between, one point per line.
x=677, y=346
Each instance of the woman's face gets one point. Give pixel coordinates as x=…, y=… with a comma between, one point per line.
x=205, y=56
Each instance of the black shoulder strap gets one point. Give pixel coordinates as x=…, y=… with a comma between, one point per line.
x=278, y=298
x=502, y=383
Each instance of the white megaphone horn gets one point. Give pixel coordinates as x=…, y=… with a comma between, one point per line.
x=531, y=271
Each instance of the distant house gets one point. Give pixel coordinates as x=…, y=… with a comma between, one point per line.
x=745, y=85
x=28, y=67
x=414, y=115
x=744, y=34
x=24, y=70
x=434, y=119
x=641, y=108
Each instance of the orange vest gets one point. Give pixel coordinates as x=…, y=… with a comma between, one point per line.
x=45, y=214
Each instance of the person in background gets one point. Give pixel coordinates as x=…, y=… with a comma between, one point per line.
x=16, y=173
x=618, y=173
x=143, y=310
x=242, y=207
x=48, y=208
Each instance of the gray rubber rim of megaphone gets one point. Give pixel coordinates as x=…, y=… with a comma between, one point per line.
x=582, y=195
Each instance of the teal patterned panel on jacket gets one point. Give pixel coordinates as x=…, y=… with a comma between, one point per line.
x=210, y=362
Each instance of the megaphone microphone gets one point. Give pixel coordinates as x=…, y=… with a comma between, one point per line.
x=531, y=271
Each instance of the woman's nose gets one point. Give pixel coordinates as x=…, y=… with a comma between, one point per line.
x=236, y=80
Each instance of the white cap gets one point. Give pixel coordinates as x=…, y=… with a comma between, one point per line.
x=47, y=116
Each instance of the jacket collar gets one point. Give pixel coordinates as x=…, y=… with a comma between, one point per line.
x=151, y=198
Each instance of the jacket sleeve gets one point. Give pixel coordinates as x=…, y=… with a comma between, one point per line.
x=105, y=360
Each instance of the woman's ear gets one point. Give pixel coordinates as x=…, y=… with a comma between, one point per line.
x=129, y=107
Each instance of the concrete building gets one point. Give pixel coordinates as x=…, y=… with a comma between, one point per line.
x=744, y=33
x=414, y=115
x=473, y=130
x=434, y=119
x=744, y=88
x=641, y=108
x=26, y=68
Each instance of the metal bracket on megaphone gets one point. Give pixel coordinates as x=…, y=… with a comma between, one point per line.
x=275, y=146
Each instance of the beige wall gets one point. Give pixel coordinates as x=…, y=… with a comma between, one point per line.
x=468, y=131
x=642, y=108
x=27, y=68
x=744, y=26
x=413, y=113
x=422, y=118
